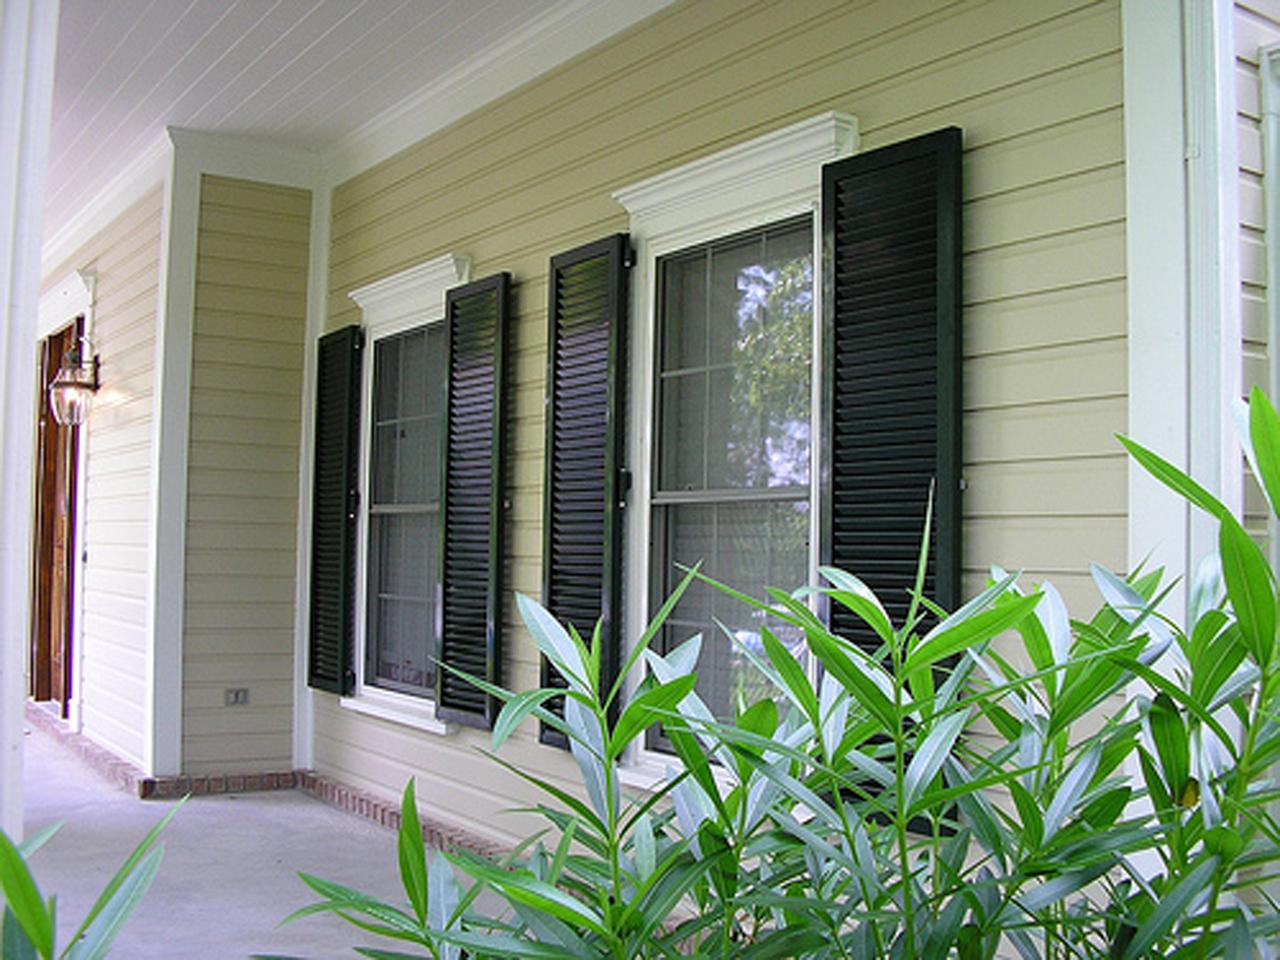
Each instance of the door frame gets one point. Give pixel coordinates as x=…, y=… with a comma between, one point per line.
x=61, y=304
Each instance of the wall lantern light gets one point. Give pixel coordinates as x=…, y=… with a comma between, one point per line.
x=73, y=388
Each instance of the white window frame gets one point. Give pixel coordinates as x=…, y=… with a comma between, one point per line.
x=407, y=300
x=766, y=180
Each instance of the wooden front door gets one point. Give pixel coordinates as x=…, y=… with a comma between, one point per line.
x=57, y=460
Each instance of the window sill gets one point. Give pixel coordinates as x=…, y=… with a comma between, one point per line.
x=649, y=772
x=397, y=708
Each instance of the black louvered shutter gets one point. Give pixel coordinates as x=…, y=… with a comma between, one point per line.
x=582, y=514
x=333, y=510
x=471, y=500
x=892, y=246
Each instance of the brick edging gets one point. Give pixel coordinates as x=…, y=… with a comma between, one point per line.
x=437, y=834
x=120, y=772
x=335, y=793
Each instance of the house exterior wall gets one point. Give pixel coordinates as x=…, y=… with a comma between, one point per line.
x=242, y=492
x=1038, y=91
x=1255, y=24
x=125, y=256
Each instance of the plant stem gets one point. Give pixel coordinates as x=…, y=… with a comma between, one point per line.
x=900, y=818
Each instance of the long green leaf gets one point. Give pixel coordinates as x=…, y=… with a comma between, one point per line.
x=412, y=853
x=107, y=922
x=852, y=593
x=851, y=675
x=14, y=942
x=515, y=710
x=569, y=656
x=931, y=755
x=1264, y=432
x=1170, y=908
x=1174, y=479
x=31, y=844
x=1250, y=588
x=23, y=897
x=971, y=631
x=531, y=891
x=1172, y=743
x=126, y=868
x=650, y=707
x=794, y=678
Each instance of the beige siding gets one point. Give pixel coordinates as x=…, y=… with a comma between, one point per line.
x=118, y=494
x=242, y=496
x=1037, y=89
x=1256, y=24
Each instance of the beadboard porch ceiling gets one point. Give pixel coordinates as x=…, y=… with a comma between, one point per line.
x=304, y=73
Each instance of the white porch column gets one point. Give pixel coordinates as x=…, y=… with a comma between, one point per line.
x=28, y=37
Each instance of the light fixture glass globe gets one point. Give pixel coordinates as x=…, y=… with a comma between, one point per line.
x=71, y=393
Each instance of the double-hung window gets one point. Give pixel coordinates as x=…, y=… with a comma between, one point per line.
x=723, y=390
x=732, y=430
x=397, y=533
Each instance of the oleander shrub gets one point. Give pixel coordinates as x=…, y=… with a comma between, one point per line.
x=996, y=780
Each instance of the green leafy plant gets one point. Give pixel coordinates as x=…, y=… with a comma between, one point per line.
x=29, y=927
x=996, y=780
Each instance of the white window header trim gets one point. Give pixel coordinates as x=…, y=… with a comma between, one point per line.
x=776, y=170
x=415, y=294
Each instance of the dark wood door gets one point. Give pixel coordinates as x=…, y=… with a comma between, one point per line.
x=57, y=459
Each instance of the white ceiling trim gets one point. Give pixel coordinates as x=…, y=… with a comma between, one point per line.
x=124, y=190
x=547, y=42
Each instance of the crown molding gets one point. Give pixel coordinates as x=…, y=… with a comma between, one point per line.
x=417, y=291
x=129, y=186
x=546, y=42
x=777, y=164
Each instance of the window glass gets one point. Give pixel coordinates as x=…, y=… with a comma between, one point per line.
x=409, y=391
x=732, y=441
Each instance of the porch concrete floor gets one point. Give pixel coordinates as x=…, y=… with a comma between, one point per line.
x=229, y=873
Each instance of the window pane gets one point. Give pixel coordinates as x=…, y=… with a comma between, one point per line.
x=684, y=399
x=401, y=611
x=684, y=324
x=748, y=426
x=749, y=546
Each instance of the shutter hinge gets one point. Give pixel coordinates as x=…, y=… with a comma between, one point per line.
x=360, y=338
x=629, y=257
x=963, y=484
x=624, y=485
x=353, y=503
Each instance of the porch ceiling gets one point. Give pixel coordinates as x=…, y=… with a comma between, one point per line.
x=307, y=73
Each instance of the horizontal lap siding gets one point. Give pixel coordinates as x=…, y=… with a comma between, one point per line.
x=117, y=522
x=1037, y=89
x=1256, y=25
x=242, y=487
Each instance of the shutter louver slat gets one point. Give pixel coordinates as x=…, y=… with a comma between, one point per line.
x=471, y=500
x=333, y=509
x=892, y=236
x=581, y=564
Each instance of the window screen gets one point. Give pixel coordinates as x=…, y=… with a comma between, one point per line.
x=408, y=408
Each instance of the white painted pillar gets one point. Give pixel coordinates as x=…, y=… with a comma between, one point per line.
x=1156, y=261
x=28, y=38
